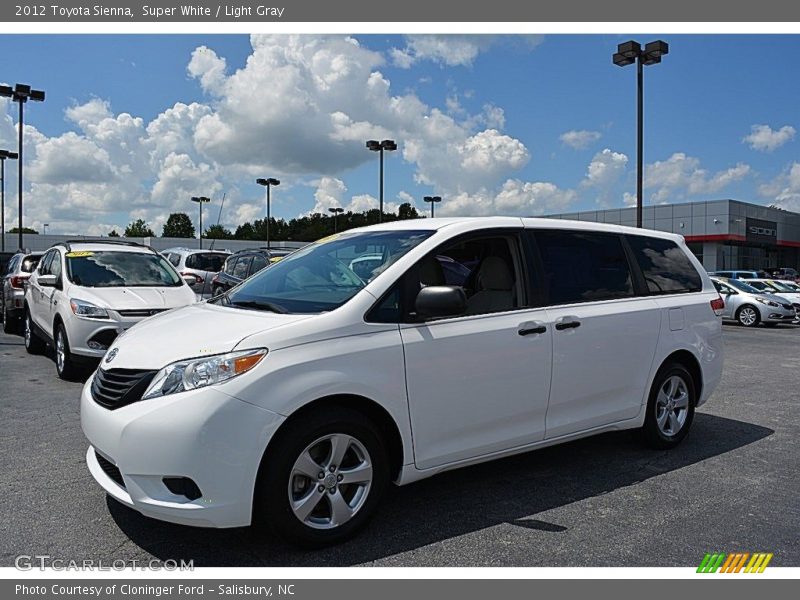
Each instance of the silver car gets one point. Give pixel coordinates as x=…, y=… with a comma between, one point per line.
x=16, y=276
x=787, y=290
x=749, y=306
x=202, y=264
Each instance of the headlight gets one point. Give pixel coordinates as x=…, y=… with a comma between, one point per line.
x=200, y=372
x=87, y=309
x=767, y=302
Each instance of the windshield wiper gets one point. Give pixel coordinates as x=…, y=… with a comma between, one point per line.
x=259, y=305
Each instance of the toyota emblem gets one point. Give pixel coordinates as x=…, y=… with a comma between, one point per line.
x=112, y=354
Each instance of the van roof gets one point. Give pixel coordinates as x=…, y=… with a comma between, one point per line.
x=470, y=223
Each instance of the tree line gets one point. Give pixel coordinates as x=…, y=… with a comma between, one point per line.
x=301, y=229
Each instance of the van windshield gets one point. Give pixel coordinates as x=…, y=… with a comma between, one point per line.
x=324, y=275
x=120, y=269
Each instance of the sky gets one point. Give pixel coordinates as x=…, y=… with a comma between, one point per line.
x=134, y=125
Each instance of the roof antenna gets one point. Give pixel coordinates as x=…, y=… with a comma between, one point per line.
x=219, y=216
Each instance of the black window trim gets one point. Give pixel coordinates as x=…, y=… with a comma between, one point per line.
x=522, y=257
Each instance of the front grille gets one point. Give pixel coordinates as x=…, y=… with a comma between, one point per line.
x=118, y=387
x=141, y=312
x=110, y=469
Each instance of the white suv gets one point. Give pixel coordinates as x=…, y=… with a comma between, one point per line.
x=83, y=295
x=297, y=396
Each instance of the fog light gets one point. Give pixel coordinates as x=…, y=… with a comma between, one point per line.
x=96, y=346
x=182, y=486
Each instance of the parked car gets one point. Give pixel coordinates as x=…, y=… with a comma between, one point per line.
x=295, y=398
x=83, y=294
x=786, y=273
x=751, y=306
x=18, y=270
x=787, y=290
x=740, y=274
x=238, y=267
x=203, y=265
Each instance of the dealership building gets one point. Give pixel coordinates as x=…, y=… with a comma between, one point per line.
x=723, y=234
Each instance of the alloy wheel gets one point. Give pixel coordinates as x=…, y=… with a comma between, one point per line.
x=330, y=481
x=747, y=316
x=60, y=351
x=28, y=331
x=672, y=406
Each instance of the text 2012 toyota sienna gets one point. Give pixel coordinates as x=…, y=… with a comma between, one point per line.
x=295, y=398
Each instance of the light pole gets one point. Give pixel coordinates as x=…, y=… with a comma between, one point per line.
x=4, y=154
x=200, y=201
x=627, y=54
x=268, y=183
x=336, y=210
x=433, y=200
x=45, y=226
x=376, y=146
x=21, y=93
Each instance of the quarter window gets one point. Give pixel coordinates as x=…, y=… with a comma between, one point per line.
x=584, y=266
x=665, y=267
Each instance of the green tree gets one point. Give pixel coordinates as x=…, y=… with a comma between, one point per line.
x=218, y=232
x=138, y=228
x=178, y=225
x=24, y=230
x=113, y=233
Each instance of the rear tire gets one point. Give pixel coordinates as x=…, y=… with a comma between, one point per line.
x=748, y=316
x=301, y=492
x=65, y=362
x=670, y=407
x=33, y=343
x=10, y=324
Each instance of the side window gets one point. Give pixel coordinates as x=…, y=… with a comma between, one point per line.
x=44, y=266
x=665, y=267
x=240, y=270
x=12, y=264
x=230, y=265
x=581, y=266
x=55, y=264
x=259, y=262
x=174, y=259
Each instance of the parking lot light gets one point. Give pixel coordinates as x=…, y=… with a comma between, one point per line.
x=433, y=200
x=336, y=210
x=200, y=201
x=4, y=155
x=376, y=146
x=20, y=94
x=268, y=183
x=628, y=53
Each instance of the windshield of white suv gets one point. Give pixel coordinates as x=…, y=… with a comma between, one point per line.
x=785, y=286
x=120, y=269
x=323, y=275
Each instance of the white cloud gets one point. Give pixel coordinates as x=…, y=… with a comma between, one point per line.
x=606, y=168
x=449, y=49
x=784, y=190
x=680, y=175
x=209, y=68
x=765, y=139
x=579, y=139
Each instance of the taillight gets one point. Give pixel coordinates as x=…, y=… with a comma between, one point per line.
x=18, y=281
x=197, y=278
x=717, y=305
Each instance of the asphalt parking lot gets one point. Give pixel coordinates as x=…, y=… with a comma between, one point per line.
x=605, y=501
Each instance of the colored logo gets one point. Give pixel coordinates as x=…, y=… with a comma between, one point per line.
x=737, y=562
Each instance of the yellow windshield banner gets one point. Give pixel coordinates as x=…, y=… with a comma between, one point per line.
x=79, y=254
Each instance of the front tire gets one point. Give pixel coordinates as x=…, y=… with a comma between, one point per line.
x=322, y=478
x=65, y=362
x=748, y=316
x=670, y=407
x=33, y=343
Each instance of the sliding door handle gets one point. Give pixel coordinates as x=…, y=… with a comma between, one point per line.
x=567, y=323
x=531, y=328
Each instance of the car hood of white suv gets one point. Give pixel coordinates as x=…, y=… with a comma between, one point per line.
x=132, y=298
x=197, y=330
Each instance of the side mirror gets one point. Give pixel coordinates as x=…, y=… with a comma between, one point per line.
x=47, y=280
x=440, y=301
x=190, y=280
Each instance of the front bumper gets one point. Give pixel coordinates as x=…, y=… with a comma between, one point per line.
x=93, y=337
x=206, y=435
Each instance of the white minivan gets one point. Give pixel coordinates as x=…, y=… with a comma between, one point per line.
x=295, y=398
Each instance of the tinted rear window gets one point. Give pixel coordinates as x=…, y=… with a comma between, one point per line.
x=665, y=267
x=584, y=266
x=207, y=261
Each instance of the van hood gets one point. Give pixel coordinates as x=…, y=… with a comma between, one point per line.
x=195, y=330
x=131, y=298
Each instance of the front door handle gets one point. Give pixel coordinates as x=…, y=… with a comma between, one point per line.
x=567, y=323
x=531, y=328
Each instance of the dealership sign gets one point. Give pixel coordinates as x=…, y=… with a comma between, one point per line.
x=762, y=231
